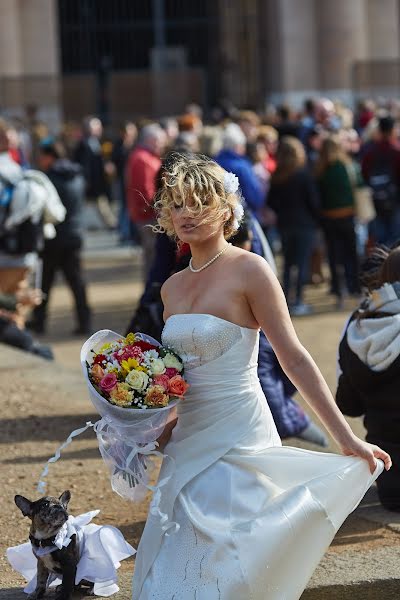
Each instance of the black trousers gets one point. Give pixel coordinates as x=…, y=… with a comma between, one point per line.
x=65, y=258
x=342, y=254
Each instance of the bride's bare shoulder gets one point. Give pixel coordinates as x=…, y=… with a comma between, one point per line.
x=250, y=264
x=170, y=285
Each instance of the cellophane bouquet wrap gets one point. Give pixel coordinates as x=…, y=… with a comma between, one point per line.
x=133, y=382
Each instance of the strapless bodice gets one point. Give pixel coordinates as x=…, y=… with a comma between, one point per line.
x=200, y=339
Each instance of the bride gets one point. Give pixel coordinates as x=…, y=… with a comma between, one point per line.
x=244, y=517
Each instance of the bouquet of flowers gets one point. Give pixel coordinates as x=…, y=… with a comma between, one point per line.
x=136, y=373
x=133, y=382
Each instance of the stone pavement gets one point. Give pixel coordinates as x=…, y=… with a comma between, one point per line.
x=363, y=561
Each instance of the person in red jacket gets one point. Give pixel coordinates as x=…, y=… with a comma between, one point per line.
x=143, y=165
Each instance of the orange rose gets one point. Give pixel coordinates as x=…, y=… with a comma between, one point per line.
x=156, y=397
x=97, y=373
x=177, y=386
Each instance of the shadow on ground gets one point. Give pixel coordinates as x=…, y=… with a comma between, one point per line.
x=41, y=428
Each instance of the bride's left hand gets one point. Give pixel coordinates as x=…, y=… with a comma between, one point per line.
x=357, y=447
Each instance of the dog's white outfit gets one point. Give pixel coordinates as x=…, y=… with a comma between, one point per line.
x=101, y=548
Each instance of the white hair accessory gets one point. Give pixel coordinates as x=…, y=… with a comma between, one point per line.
x=238, y=213
x=231, y=183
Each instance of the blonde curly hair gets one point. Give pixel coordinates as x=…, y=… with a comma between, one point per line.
x=196, y=183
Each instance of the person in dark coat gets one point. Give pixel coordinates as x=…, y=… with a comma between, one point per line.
x=293, y=197
x=122, y=148
x=63, y=253
x=369, y=365
x=96, y=171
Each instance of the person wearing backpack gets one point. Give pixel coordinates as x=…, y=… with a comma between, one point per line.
x=13, y=267
x=29, y=209
x=381, y=171
x=63, y=252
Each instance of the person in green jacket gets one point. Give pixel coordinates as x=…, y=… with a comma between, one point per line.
x=337, y=176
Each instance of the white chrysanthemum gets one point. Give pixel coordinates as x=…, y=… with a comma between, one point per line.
x=157, y=366
x=171, y=362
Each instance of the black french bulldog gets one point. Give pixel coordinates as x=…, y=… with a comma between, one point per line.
x=48, y=515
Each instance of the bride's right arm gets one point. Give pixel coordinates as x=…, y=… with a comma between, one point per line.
x=167, y=432
x=274, y=319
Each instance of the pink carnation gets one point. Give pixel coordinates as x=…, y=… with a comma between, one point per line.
x=108, y=382
x=170, y=372
x=162, y=380
x=129, y=352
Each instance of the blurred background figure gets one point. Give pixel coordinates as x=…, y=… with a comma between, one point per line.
x=249, y=123
x=63, y=253
x=337, y=211
x=286, y=123
x=293, y=197
x=233, y=158
x=122, y=148
x=142, y=169
x=187, y=141
x=96, y=170
x=381, y=170
x=21, y=221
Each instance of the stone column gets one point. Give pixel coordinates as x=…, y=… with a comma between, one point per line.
x=39, y=37
x=10, y=42
x=343, y=39
x=291, y=50
x=383, y=29
x=40, y=58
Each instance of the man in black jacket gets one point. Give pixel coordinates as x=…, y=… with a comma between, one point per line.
x=63, y=252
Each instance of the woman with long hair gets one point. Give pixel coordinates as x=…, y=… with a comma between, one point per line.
x=231, y=501
x=335, y=172
x=293, y=196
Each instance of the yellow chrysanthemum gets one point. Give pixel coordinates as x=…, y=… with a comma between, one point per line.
x=130, y=338
x=130, y=364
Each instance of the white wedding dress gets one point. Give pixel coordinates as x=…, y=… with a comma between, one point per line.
x=253, y=518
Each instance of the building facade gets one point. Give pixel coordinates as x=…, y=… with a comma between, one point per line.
x=151, y=57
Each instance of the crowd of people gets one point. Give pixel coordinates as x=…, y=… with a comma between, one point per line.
x=302, y=174
x=318, y=185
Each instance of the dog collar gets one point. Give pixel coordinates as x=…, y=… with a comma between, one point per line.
x=41, y=543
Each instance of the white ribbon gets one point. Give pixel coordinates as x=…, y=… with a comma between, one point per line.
x=123, y=456
x=42, y=485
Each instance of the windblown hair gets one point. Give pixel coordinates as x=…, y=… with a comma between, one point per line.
x=195, y=182
x=290, y=157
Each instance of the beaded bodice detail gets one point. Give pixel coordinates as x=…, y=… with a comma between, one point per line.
x=199, y=338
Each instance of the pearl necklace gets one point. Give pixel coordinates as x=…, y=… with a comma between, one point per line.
x=207, y=264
